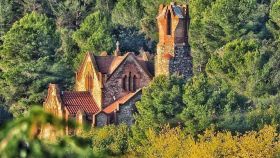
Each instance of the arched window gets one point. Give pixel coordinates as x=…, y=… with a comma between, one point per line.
x=124, y=82
x=134, y=83
x=169, y=23
x=89, y=82
x=130, y=82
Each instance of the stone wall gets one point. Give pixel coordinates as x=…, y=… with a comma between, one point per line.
x=113, y=88
x=173, y=51
x=101, y=119
x=178, y=62
x=80, y=84
x=126, y=111
x=181, y=63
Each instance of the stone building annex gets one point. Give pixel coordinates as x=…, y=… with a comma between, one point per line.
x=107, y=86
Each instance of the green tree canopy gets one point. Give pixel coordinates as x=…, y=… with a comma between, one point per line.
x=127, y=13
x=239, y=64
x=94, y=34
x=10, y=11
x=223, y=21
x=161, y=102
x=208, y=103
x=29, y=61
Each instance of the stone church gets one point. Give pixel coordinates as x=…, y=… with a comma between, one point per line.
x=107, y=86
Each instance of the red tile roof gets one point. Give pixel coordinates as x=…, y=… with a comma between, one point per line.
x=75, y=101
x=114, y=106
x=106, y=64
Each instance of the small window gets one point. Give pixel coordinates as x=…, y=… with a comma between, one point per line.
x=134, y=83
x=169, y=23
x=124, y=81
x=130, y=84
x=89, y=82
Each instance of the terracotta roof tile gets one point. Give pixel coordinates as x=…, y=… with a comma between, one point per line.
x=106, y=64
x=75, y=101
x=112, y=107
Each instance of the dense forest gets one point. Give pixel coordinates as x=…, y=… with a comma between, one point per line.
x=229, y=108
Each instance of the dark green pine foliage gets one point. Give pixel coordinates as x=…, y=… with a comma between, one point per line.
x=239, y=63
x=69, y=14
x=128, y=13
x=208, y=103
x=29, y=62
x=216, y=23
x=94, y=34
x=10, y=11
x=161, y=102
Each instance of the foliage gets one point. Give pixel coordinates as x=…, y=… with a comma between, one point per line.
x=238, y=64
x=69, y=14
x=127, y=13
x=235, y=50
x=20, y=138
x=94, y=34
x=29, y=61
x=10, y=11
x=161, y=102
x=111, y=139
x=218, y=22
x=274, y=23
x=131, y=39
x=173, y=142
x=208, y=104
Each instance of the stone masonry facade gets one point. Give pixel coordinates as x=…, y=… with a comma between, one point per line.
x=107, y=87
x=173, y=51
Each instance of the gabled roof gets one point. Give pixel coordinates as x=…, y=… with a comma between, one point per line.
x=143, y=64
x=109, y=64
x=79, y=101
x=115, y=105
x=93, y=62
x=106, y=64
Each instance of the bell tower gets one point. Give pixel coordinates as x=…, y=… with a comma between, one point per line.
x=173, y=50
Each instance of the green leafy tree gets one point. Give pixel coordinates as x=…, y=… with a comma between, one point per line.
x=10, y=11
x=274, y=23
x=29, y=61
x=111, y=139
x=239, y=64
x=161, y=102
x=105, y=6
x=20, y=138
x=207, y=103
x=69, y=14
x=127, y=13
x=224, y=21
x=131, y=39
x=94, y=34
x=199, y=50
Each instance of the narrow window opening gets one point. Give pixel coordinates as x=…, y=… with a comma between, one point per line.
x=130, y=82
x=169, y=23
x=124, y=82
x=134, y=83
x=89, y=82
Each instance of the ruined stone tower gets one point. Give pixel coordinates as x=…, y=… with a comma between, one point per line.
x=173, y=50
